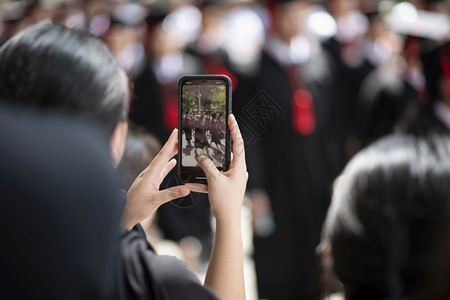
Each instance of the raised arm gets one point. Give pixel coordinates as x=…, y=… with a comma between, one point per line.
x=225, y=274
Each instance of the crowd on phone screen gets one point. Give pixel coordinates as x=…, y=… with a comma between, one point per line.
x=336, y=77
x=200, y=127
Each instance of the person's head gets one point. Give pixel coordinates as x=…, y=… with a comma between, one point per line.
x=388, y=217
x=58, y=221
x=286, y=16
x=53, y=67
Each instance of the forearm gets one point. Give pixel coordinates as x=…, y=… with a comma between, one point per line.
x=225, y=274
x=226, y=191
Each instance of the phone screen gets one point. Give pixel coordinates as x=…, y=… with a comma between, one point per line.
x=204, y=108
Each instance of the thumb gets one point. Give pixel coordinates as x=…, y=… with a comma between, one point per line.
x=209, y=168
x=172, y=193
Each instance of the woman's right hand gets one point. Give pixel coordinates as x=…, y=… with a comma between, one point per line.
x=226, y=190
x=225, y=274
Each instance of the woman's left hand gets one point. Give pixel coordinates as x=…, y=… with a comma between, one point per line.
x=144, y=196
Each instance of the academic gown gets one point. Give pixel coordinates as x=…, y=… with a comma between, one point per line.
x=384, y=102
x=146, y=106
x=375, y=101
x=296, y=171
x=349, y=78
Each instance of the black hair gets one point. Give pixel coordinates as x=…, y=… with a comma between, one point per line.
x=54, y=67
x=388, y=216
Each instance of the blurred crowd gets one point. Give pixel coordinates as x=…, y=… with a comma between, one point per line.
x=314, y=82
x=375, y=45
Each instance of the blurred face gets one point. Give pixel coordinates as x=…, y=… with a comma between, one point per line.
x=289, y=20
x=119, y=37
x=163, y=43
x=339, y=8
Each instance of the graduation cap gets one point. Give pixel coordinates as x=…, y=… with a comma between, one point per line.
x=404, y=18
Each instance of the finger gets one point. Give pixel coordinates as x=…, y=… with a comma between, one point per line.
x=167, y=168
x=209, y=168
x=238, y=142
x=197, y=187
x=175, y=192
x=168, y=151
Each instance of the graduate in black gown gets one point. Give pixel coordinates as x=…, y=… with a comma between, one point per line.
x=345, y=48
x=201, y=141
x=378, y=98
x=186, y=124
x=290, y=113
x=217, y=132
x=385, y=99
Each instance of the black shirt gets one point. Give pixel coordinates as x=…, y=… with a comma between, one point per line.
x=146, y=275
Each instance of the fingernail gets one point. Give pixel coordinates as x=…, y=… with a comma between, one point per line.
x=201, y=157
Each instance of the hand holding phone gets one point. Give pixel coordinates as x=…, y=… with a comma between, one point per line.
x=204, y=106
x=145, y=195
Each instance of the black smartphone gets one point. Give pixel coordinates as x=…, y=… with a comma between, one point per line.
x=203, y=108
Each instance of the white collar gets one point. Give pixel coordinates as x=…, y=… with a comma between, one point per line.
x=297, y=52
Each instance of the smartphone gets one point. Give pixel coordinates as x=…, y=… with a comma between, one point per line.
x=203, y=109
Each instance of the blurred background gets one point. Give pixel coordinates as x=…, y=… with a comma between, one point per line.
x=358, y=75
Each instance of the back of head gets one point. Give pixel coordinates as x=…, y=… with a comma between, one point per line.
x=51, y=66
x=58, y=217
x=388, y=217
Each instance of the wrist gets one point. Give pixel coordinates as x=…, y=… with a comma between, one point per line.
x=126, y=221
x=228, y=221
